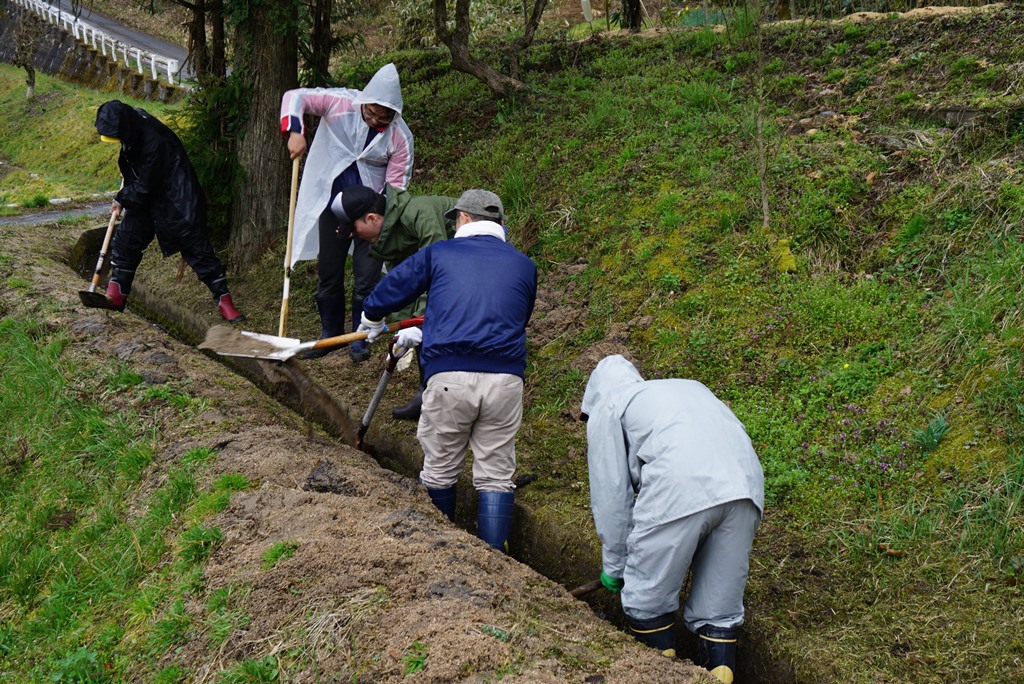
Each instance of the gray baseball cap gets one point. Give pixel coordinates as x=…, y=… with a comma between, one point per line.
x=479, y=203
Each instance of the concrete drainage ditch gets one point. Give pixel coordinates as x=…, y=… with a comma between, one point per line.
x=566, y=556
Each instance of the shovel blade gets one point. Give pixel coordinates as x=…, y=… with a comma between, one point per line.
x=227, y=341
x=94, y=300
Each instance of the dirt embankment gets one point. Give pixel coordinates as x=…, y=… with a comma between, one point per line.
x=378, y=573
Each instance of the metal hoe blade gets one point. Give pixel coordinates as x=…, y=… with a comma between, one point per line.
x=94, y=300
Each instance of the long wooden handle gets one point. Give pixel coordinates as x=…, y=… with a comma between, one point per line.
x=103, y=252
x=282, y=326
x=338, y=340
x=587, y=588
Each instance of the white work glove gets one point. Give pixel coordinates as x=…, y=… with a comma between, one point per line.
x=404, y=361
x=407, y=338
x=373, y=329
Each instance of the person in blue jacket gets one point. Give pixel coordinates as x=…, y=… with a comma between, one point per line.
x=675, y=486
x=481, y=295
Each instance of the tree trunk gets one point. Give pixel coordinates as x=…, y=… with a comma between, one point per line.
x=218, y=62
x=28, y=32
x=457, y=42
x=321, y=42
x=519, y=45
x=267, y=60
x=197, y=47
x=631, y=14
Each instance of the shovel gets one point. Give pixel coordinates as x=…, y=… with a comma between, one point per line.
x=225, y=341
x=389, y=370
x=90, y=297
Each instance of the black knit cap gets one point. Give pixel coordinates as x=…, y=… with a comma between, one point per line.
x=353, y=203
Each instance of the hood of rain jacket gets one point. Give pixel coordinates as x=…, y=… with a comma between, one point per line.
x=658, y=451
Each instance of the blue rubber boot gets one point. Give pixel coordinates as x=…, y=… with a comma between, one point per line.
x=359, y=350
x=494, y=518
x=332, y=323
x=444, y=499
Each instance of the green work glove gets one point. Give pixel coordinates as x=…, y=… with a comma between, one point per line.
x=612, y=584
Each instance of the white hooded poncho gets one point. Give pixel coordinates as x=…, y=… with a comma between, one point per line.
x=339, y=141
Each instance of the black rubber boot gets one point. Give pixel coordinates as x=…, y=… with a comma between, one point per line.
x=444, y=499
x=359, y=350
x=657, y=632
x=332, y=323
x=716, y=651
x=494, y=518
x=411, y=410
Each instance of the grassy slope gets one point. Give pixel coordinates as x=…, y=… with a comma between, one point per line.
x=881, y=557
x=50, y=144
x=89, y=520
x=890, y=550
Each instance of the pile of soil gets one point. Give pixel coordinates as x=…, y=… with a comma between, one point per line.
x=378, y=578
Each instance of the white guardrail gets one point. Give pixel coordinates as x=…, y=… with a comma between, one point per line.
x=87, y=33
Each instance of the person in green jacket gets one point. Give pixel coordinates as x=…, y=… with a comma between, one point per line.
x=397, y=224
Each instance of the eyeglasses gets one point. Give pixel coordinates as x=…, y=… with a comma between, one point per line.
x=381, y=116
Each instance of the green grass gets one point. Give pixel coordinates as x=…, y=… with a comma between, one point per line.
x=278, y=552
x=903, y=306
x=52, y=143
x=77, y=441
x=415, y=658
x=890, y=537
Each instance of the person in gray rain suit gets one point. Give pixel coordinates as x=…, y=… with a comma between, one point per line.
x=675, y=486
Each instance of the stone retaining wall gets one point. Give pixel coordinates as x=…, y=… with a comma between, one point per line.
x=60, y=54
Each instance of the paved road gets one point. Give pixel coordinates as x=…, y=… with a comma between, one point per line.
x=97, y=209
x=138, y=39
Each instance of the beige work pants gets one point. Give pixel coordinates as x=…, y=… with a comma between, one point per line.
x=463, y=410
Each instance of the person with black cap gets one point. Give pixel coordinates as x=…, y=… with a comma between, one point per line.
x=397, y=225
x=481, y=295
x=675, y=487
x=361, y=139
x=163, y=199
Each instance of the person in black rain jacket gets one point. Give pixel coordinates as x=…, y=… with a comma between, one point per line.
x=160, y=197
